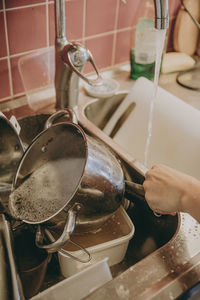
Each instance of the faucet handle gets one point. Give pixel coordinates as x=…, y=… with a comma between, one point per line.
x=75, y=56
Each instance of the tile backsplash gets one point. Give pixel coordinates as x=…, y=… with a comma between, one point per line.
x=104, y=26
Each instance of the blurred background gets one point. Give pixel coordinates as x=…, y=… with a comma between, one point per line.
x=104, y=26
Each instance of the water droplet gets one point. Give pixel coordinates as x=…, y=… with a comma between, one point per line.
x=16, y=147
x=44, y=149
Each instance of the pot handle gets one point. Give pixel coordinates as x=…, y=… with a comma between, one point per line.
x=61, y=113
x=65, y=236
x=51, y=238
x=136, y=190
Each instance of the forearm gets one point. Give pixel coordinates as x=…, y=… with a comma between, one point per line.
x=190, y=202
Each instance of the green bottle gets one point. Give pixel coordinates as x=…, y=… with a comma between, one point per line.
x=143, y=55
x=138, y=70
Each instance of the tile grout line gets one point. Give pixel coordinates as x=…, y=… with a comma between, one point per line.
x=11, y=97
x=47, y=23
x=8, y=50
x=115, y=34
x=84, y=38
x=24, y=53
x=84, y=21
x=107, y=33
x=48, y=38
x=22, y=94
x=25, y=6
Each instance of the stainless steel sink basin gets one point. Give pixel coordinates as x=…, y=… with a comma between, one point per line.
x=99, y=111
x=151, y=232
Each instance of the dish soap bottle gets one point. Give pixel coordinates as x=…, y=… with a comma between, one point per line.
x=143, y=55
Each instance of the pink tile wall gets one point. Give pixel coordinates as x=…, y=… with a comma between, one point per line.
x=104, y=26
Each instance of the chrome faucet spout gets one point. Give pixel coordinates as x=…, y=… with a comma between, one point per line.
x=161, y=14
x=66, y=81
x=60, y=21
x=70, y=58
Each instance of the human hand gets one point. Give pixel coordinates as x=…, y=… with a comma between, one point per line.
x=168, y=191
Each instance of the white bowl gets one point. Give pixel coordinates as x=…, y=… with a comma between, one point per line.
x=107, y=89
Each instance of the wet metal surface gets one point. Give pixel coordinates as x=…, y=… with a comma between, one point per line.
x=165, y=274
x=151, y=232
x=170, y=270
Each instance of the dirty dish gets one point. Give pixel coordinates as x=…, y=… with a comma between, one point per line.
x=32, y=261
x=11, y=151
x=190, y=79
x=46, y=190
x=111, y=241
x=105, y=88
x=81, y=184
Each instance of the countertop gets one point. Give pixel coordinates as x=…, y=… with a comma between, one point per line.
x=168, y=82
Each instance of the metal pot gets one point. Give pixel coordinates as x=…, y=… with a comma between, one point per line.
x=66, y=179
x=11, y=150
x=32, y=261
x=60, y=168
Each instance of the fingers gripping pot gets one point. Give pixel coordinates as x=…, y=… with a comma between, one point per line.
x=62, y=172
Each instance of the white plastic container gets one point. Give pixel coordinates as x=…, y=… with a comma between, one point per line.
x=114, y=249
x=37, y=71
x=79, y=285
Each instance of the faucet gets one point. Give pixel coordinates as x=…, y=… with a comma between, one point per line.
x=161, y=14
x=66, y=81
x=71, y=57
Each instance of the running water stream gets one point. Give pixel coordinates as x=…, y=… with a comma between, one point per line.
x=160, y=41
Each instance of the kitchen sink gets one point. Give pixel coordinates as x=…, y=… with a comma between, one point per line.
x=99, y=111
x=163, y=255
x=151, y=232
x=124, y=121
